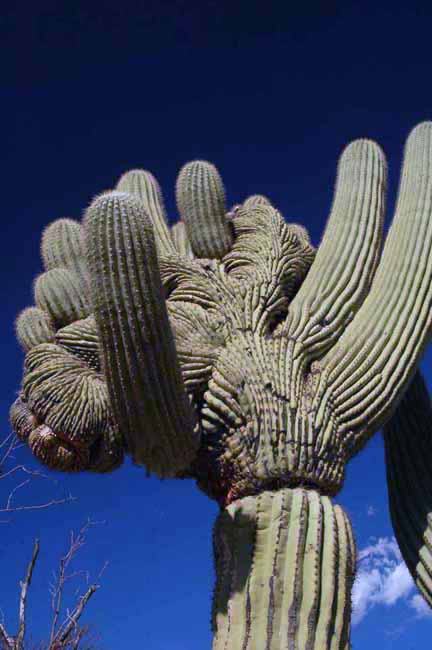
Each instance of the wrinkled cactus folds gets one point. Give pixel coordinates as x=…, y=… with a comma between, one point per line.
x=227, y=349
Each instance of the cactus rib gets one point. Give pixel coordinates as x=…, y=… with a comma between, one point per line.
x=284, y=564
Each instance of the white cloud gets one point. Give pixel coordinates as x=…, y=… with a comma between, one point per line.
x=383, y=579
x=420, y=607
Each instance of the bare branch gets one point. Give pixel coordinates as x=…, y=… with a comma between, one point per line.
x=24, y=588
x=7, y=641
x=62, y=632
x=38, y=506
x=8, y=446
x=74, y=618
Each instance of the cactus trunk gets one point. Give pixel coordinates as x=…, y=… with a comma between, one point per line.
x=285, y=564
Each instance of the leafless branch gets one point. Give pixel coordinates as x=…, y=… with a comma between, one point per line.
x=67, y=634
x=7, y=641
x=74, y=618
x=23, y=598
x=61, y=633
x=8, y=446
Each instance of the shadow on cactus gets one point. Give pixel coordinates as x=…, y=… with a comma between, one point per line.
x=226, y=349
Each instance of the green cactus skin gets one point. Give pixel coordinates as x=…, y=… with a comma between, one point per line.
x=33, y=326
x=143, y=185
x=201, y=203
x=370, y=366
x=408, y=449
x=81, y=339
x=64, y=404
x=258, y=367
x=180, y=239
x=285, y=564
x=254, y=200
x=63, y=246
x=51, y=373
x=59, y=293
x=139, y=358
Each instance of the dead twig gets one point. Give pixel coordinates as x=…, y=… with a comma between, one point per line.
x=23, y=597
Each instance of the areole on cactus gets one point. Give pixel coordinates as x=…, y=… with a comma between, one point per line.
x=227, y=350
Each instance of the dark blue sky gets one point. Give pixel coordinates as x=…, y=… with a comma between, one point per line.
x=271, y=94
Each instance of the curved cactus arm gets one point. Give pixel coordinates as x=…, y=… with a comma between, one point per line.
x=366, y=372
x=59, y=293
x=200, y=198
x=146, y=390
x=34, y=326
x=143, y=184
x=181, y=239
x=346, y=260
x=62, y=245
x=408, y=453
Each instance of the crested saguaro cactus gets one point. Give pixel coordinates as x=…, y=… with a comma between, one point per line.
x=228, y=350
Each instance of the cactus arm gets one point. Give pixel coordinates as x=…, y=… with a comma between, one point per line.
x=143, y=185
x=200, y=198
x=62, y=245
x=34, y=326
x=408, y=450
x=285, y=564
x=146, y=390
x=346, y=259
x=367, y=371
x=181, y=240
x=59, y=293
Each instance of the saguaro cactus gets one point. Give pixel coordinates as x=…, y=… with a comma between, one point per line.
x=258, y=370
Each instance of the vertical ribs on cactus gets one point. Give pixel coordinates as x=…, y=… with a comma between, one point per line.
x=228, y=350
